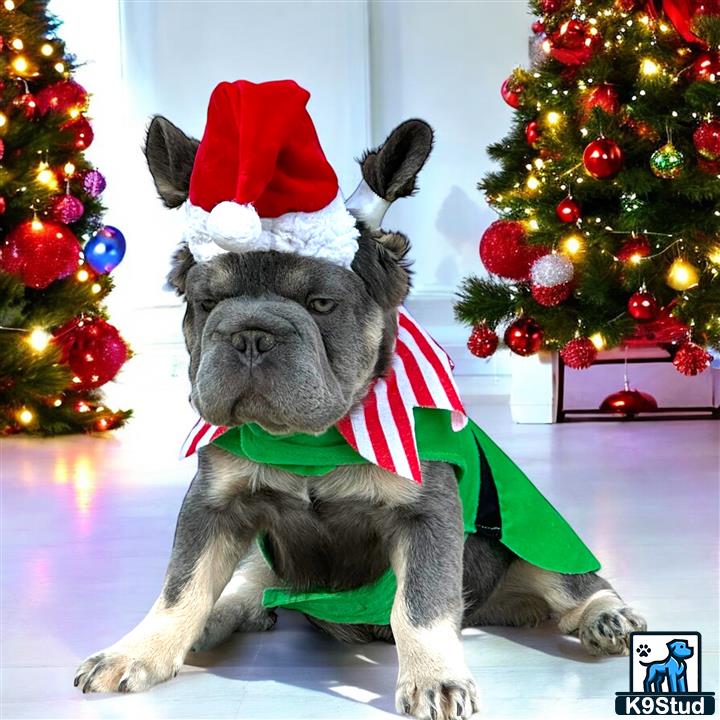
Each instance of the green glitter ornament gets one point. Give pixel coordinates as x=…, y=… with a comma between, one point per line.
x=667, y=162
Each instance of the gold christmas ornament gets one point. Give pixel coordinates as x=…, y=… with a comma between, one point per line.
x=682, y=275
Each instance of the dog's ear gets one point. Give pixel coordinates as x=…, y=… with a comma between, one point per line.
x=391, y=169
x=182, y=261
x=380, y=263
x=170, y=156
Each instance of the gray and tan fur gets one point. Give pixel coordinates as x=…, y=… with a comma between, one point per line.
x=268, y=336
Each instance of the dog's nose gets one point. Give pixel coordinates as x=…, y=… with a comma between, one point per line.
x=253, y=343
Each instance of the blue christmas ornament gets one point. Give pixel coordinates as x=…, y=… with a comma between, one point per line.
x=105, y=251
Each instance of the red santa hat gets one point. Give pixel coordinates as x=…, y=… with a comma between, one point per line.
x=261, y=180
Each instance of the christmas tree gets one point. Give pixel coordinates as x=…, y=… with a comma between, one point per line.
x=608, y=187
x=56, y=346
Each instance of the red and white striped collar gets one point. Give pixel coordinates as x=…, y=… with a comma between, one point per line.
x=382, y=428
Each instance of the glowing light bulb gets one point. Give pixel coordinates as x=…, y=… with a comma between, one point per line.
x=16, y=44
x=532, y=183
x=714, y=255
x=36, y=225
x=553, y=117
x=74, y=112
x=60, y=67
x=46, y=49
x=534, y=225
x=82, y=275
x=25, y=416
x=649, y=67
x=572, y=244
x=3, y=120
x=57, y=402
x=20, y=64
x=598, y=341
x=682, y=275
x=69, y=169
x=95, y=288
x=39, y=339
x=636, y=258
x=9, y=5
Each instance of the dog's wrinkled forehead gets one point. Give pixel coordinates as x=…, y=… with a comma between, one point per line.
x=259, y=274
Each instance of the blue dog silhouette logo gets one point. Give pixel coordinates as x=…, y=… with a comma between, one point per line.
x=668, y=675
x=665, y=676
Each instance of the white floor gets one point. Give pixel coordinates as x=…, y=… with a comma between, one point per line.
x=88, y=524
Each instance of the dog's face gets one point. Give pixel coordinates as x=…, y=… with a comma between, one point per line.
x=289, y=342
x=680, y=650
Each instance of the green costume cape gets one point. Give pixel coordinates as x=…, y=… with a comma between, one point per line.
x=497, y=499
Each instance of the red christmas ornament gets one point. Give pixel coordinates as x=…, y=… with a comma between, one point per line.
x=40, y=252
x=26, y=102
x=3, y=205
x=574, y=43
x=706, y=67
x=603, y=158
x=626, y=6
x=532, y=133
x=66, y=209
x=691, y=359
x=628, y=402
x=579, y=353
x=483, y=341
x=551, y=6
x=642, y=306
x=707, y=7
x=551, y=279
x=707, y=140
x=80, y=132
x=604, y=97
x=524, y=336
x=62, y=97
x=93, y=349
x=551, y=296
x=568, y=210
x=636, y=247
x=505, y=252
x=511, y=91
x=538, y=27
x=709, y=167
x=2, y=148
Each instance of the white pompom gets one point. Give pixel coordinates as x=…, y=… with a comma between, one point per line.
x=234, y=226
x=551, y=270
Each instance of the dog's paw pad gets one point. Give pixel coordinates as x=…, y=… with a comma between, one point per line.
x=643, y=650
x=112, y=671
x=433, y=699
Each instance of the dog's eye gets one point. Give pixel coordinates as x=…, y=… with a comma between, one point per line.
x=322, y=306
x=208, y=305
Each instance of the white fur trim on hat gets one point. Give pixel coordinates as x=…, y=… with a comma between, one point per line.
x=329, y=234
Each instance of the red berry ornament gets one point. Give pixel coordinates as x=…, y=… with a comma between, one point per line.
x=504, y=250
x=642, y=306
x=483, y=341
x=579, y=353
x=568, y=210
x=707, y=140
x=524, y=336
x=691, y=359
x=93, y=349
x=40, y=252
x=26, y=102
x=511, y=91
x=603, y=158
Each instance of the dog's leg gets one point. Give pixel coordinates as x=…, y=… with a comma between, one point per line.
x=239, y=608
x=434, y=683
x=585, y=605
x=205, y=552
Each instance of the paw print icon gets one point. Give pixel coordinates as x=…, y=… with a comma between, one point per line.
x=643, y=650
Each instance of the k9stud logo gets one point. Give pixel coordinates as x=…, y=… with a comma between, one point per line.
x=665, y=676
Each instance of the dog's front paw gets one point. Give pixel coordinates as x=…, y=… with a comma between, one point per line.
x=606, y=630
x=122, y=670
x=432, y=697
